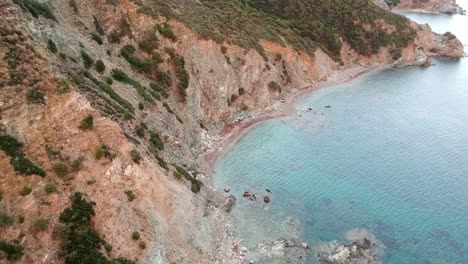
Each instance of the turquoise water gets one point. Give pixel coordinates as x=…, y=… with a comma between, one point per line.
x=390, y=155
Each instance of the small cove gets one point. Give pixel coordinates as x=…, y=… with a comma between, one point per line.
x=390, y=155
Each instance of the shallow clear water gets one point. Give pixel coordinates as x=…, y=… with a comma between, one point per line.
x=390, y=155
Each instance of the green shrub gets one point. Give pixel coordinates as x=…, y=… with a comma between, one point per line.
x=181, y=73
x=26, y=190
x=135, y=235
x=41, y=225
x=97, y=38
x=121, y=76
x=156, y=141
x=130, y=195
x=149, y=42
x=63, y=56
x=50, y=188
x=36, y=8
x=1, y=196
x=166, y=30
x=72, y=4
x=274, y=87
x=159, y=88
x=13, y=251
x=52, y=153
x=14, y=149
x=87, y=122
x=20, y=219
x=116, y=97
x=195, y=183
x=51, y=46
x=142, y=244
x=140, y=130
x=109, y=80
x=77, y=163
x=6, y=220
x=83, y=243
x=100, y=66
x=98, y=26
x=162, y=163
x=87, y=60
x=60, y=169
x=141, y=106
x=99, y=153
x=35, y=96
x=108, y=247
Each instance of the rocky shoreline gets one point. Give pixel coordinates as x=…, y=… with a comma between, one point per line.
x=449, y=7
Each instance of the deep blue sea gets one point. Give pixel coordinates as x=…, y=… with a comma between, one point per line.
x=389, y=155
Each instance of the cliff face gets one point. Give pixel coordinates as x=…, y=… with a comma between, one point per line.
x=437, y=6
x=47, y=93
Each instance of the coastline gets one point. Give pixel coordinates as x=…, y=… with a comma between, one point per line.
x=230, y=134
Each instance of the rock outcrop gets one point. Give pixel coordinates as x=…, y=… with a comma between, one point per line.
x=436, y=6
x=361, y=247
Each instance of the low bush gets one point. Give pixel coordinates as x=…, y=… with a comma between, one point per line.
x=97, y=38
x=36, y=8
x=87, y=60
x=13, y=251
x=130, y=195
x=50, y=188
x=87, y=123
x=35, y=96
x=142, y=244
x=77, y=163
x=98, y=26
x=156, y=141
x=60, y=169
x=6, y=220
x=195, y=183
x=26, y=190
x=166, y=30
x=14, y=150
x=121, y=76
x=136, y=235
x=51, y=46
x=83, y=242
x=274, y=87
x=41, y=225
x=100, y=66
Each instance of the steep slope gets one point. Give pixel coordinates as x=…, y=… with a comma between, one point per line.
x=113, y=100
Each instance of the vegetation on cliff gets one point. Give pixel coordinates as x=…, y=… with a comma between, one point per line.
x=14, y=149
x=304, y=24
x=83, y=242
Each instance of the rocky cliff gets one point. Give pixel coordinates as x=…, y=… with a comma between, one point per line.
x=437, y=6
x=103, y=99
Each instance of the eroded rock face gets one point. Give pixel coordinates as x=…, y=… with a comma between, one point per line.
x=434, y=44
x=438, y=6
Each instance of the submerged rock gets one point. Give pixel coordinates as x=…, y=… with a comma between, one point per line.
x=266, y=199
x=361, y=247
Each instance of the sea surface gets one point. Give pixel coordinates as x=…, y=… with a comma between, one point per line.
x=389, y=154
